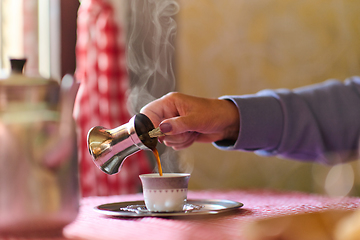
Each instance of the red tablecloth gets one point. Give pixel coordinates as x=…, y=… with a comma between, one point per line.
x=258, y=204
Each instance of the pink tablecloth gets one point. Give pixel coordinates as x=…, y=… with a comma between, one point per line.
x=258, y=204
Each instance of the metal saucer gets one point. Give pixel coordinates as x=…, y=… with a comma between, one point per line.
x=194, y=207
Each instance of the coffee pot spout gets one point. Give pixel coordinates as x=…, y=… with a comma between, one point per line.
x=68, y=90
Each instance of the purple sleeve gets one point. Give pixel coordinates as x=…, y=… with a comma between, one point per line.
x=318, y=123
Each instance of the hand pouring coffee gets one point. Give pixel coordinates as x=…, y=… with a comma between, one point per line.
x=110, y=147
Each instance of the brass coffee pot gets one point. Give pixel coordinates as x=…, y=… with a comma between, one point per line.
x=110, y=147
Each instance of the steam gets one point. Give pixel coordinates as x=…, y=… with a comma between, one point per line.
x=150, y=50
x=150, y=56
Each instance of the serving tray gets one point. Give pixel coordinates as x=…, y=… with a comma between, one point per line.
x=193, y=207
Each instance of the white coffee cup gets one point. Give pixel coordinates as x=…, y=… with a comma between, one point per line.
x=167, y=193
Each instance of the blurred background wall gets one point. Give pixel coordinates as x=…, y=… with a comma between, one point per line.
x=229, y=47
x=241, y=47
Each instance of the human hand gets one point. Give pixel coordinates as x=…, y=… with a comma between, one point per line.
x=187, y=119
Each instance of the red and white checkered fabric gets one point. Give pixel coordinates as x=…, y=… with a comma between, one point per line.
x=101, y=100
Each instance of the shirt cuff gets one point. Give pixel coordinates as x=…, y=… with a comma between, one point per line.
x=261, y=123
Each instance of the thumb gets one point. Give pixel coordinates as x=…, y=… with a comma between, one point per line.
x=177, y=125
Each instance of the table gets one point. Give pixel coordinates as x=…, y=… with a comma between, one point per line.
x=258, y=205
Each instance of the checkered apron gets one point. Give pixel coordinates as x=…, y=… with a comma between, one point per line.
x=101, y=100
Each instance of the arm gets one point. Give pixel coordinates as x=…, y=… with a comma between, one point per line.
x=315, y=123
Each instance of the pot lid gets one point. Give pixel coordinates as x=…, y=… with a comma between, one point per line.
x=19, y=92
x=16, y=77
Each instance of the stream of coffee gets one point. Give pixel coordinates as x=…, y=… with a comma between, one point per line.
x=156, y=154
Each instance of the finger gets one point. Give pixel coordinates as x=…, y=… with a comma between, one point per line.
x=180, y=147
x=160, y=109
x=179, y=138
x=182, y=142
x=180, y=125
x=153, y=116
